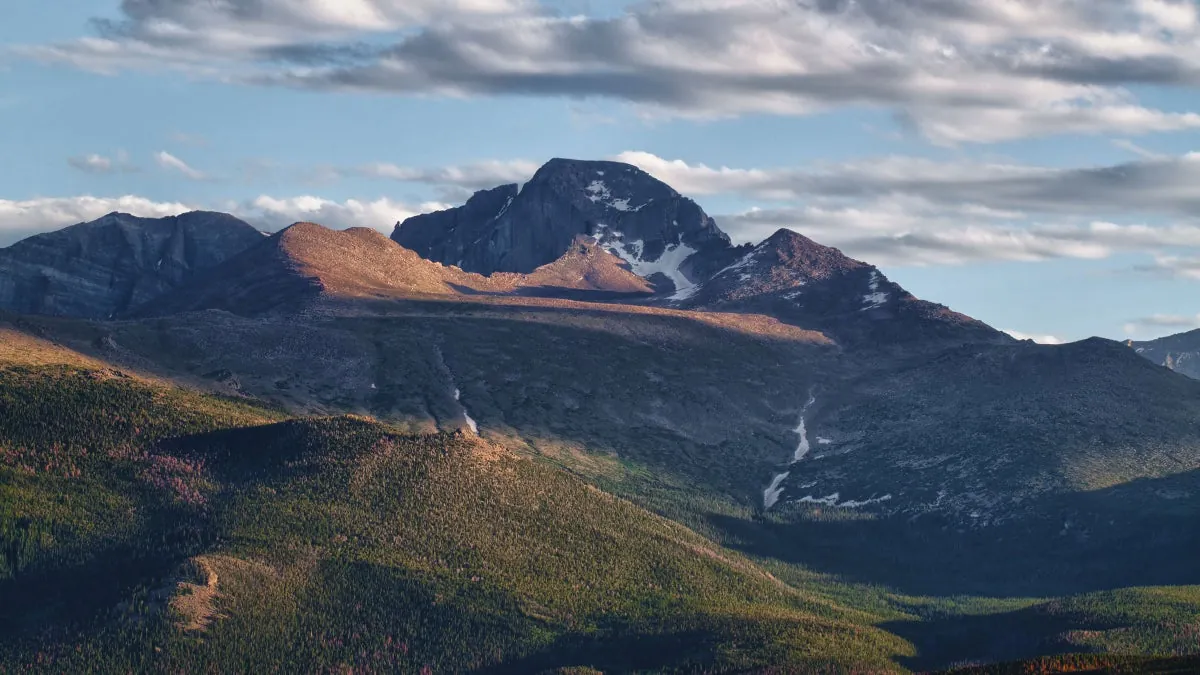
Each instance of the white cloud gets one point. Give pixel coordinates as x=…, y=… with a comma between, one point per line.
x=1130, y=146
x=20, y=219
x=383, y=214
x=91, y=163
x=1171, y=321
x=474, y=176
x=914, y=211
x=100, y=164
x=1040, y=339
x=957, y=72
x=1153, y=185
x=1176, y=266
x=909, y=233
x=1158, y=324
x=172, y=163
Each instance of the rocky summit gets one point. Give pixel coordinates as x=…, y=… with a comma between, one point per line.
x=507, y=229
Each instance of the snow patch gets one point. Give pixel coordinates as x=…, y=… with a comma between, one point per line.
x=832, y=500
x=470, y=420
x=503, y=209
x=823, y=441
x=867, y=502
x=771, y=494
x=804, y=447
x=598, y=191
x=875, y=298
x=668, y=263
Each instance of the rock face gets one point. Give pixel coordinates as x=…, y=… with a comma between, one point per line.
x=111, y=265
x=1180, y=352
x=626, y=209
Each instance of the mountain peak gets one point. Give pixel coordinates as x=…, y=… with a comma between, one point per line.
x=505, y=230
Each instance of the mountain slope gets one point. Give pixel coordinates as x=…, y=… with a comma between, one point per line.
x=113, y=264
x=306, y=261
x=796, y=279
x=197, y=534
x=1180, y=352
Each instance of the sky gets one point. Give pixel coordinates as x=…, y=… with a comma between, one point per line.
x=1032, y=163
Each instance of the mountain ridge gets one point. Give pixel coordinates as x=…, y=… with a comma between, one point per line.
x=108, y=266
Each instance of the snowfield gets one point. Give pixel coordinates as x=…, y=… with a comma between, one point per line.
x=668, y=264
x=875, y=298
x=771, y=494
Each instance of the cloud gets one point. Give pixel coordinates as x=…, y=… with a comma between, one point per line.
x=913, y=233
x=20, y=219
x=468, y=178
x=172, y=163
x=1138, y=150
x=914, y=211
x=100, y=164
x=1154, y=185
x=1158, y=324
x=1170, y=321
x=1174, y=266
x=383, y=214
x=1040, y=339
x=955, y=72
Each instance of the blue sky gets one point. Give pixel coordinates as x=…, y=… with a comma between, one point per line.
x=1026, y=162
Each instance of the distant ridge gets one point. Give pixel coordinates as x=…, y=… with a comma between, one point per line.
x=113, y=264
x=306, y=261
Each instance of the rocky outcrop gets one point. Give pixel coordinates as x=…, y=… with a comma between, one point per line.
x=109, y=266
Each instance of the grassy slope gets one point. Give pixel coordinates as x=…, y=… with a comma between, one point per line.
x=130, y=512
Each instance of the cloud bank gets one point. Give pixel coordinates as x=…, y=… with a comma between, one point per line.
x=955, y=71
